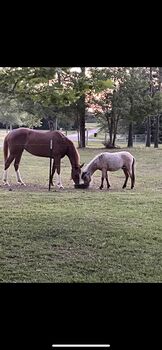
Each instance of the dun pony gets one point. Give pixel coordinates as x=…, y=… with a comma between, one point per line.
x=110, y=162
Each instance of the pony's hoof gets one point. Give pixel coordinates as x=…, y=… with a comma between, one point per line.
x=60, y=186
x=5, y=183
x=21, y=183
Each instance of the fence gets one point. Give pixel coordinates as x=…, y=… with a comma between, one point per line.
x=138, y=138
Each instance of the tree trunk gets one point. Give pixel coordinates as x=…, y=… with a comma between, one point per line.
x=78, y=138
x=114, y=140
x=130, y=135
x=156, y=137
x=51, y=125
x=148, y=136
x=81, y=112
x=111, y=129
x=115, y=129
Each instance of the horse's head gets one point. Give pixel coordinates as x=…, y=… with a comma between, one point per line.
x=86, y=177
x=75, y=173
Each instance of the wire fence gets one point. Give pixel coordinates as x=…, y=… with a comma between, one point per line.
x=138, y=138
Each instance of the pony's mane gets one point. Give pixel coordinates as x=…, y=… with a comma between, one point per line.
x=91, y=162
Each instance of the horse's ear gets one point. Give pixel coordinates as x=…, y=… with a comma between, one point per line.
x=81, y=165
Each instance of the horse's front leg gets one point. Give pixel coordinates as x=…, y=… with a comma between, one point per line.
x=52, y=174
x=59, y=183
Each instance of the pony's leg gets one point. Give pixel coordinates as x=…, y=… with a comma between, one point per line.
x=132, y=181
x=7, y=164
x=108, y=184
x=16, y=166
x=59, y=183
x=104, y=175
x=132, y=173
x=126, y=176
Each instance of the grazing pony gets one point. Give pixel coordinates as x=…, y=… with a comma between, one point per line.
x=38, y=143
x=110, y=162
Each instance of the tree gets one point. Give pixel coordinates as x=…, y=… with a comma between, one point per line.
x=9, y=112
x=157, y=102
x=40, y=87
x=110, y=105
x=134, y=86
x=148, y=135
x=45, y=93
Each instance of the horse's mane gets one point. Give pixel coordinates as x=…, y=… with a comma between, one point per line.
x=73, y=152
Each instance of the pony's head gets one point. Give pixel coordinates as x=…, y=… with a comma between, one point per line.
x=86, y=177
x=75, y=173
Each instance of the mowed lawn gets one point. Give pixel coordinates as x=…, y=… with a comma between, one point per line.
x=74, y=235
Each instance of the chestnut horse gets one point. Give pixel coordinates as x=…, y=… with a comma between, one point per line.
x=38, y=143
x=110, y=162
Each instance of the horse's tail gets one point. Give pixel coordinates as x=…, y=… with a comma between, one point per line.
x=5, y=149
x=133, y=173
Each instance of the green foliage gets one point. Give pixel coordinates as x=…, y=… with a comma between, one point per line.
x=50, y=92
x=157, y=103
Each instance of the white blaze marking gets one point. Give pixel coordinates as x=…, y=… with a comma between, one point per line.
x=5, y=175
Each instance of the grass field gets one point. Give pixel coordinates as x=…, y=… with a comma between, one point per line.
x=88, y=235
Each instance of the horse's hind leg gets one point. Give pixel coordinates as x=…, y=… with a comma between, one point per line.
x=16, y=166
x=7, y=164
x=126, y=176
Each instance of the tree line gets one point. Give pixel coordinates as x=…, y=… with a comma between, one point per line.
x=123, y=99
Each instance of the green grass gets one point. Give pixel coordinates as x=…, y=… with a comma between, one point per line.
x=82, y=235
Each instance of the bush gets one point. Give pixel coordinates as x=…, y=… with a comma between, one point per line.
x=109, y=145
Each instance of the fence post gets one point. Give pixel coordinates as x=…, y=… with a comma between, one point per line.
x=87, y=137
x=49, y=187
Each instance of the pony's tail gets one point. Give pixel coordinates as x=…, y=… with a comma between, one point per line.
x=5, y=149
x=133, y=173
